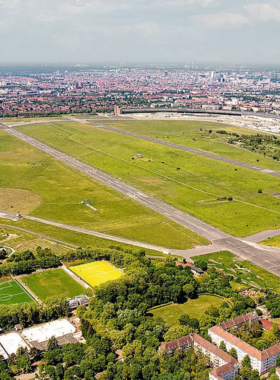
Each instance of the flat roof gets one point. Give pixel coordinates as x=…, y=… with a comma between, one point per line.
x=11, y=342
x=45, y=331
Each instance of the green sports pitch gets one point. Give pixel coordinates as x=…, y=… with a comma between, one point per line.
x=12, y=292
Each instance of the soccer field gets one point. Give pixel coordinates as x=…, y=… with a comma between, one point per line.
x=53, y=283
x=97, y=273
x=11, y=292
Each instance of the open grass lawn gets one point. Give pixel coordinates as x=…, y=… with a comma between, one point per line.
x=190, y=182
x=17, y=200
x=189, y=133
x=249, y=273
x=194, y=308
x=274, y=241
x=53, y=283
x=97, y=273
x=61, y=190
x=21, y=241
x=71, y=237
x=11, y=292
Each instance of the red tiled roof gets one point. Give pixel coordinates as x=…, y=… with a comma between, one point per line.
x=260, y=355
x=178, y=263
x=214, y=349
x=177, y=343
x=239, y=320
x=221, y=371
x=267, y=325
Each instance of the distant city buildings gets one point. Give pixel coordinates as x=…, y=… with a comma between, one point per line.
x=96, y=90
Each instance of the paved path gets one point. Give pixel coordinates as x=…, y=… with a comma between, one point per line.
x=259, y=255
x=9, y=215
x=5, y=215
x=262, y=236
x=187, y=149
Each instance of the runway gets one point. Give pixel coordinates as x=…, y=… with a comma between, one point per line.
x=262, y=256
x=187, y=149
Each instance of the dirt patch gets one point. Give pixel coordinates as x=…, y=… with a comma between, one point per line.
x=238, y=259
x=17, y=200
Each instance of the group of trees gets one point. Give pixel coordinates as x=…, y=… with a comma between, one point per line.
x=118, y=319
x=268, y=145
x=29, y=314
x=27, y=262
x=253, y=334
x=273, y=305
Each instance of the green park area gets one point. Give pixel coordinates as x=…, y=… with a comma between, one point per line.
x=194, y=308
x=21, y=241
x=44, y=187
x=51, y=232
x=274, y=241
x=237, y=200
x=53, y=283
x=246, y=273
x=206, y=136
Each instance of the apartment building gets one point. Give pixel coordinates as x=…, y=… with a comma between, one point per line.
x=261, y=361
x=225, y=366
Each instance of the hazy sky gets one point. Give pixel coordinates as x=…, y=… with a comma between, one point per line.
x=241, y=31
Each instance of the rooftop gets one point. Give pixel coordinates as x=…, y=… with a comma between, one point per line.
x=260, y=355
x=45, y=331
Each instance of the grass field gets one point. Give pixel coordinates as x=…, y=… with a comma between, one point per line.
x=189, y=133
x=11, y=293
x=71, y=237
x=24, y=167
x=53, y=283
x=17, y=200
x=193, y=183
x=274, y=242
x=22, y=241
x=194, y=308
x=97, y=273
x=249, y=273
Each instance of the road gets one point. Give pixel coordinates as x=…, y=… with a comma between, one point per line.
x=264, y=257
x=187, y=149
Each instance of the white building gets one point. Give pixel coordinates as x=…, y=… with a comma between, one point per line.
x=261, y=361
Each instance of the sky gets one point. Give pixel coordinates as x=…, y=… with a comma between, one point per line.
x=144, y=31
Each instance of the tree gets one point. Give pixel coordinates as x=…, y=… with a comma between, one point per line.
x=184, y=320
x=246, y=362
x=52, y=344
x=223, y=346
x=176, y=332
x=233, y=353
x=188, y=290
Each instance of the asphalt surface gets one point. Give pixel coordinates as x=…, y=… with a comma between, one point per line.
x=187, y=149
x=262, y=256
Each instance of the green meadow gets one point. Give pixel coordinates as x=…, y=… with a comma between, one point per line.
x=58, y=191
x=194, y=308
x=195, y=134
x=190, y=182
